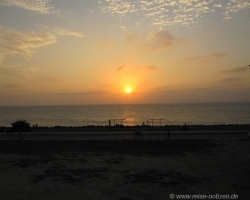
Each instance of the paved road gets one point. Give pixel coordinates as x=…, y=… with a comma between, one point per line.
x=126, y=135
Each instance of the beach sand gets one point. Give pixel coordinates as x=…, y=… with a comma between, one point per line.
x=123, y=170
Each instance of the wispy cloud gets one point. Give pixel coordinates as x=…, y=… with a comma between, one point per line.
x=154, y=41
x=13, y=42
x=86, y=93
x=13, y=90
x=150, y=67
x=24, y=43
x=47, y=79
x=160, y=40
x=206, y=58
x=18, y=71
x=230, y=80
x=161, y=88
x=63, y=31
x=233, y=81
x=40, y=6
x=9, y=86
x=235, y=70
x=120, y=68
x=218, y=55
x=1, y=58
x=131, y=38
x=162, y=13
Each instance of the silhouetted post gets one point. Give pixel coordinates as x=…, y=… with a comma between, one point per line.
x=168, y=134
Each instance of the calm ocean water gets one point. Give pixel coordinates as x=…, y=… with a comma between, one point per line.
x=173, y=114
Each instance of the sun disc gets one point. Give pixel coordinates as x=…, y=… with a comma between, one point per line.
x=128, y=90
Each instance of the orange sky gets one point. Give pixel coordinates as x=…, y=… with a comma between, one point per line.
x=89, y=52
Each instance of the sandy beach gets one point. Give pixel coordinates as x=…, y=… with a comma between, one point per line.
x=124, y=169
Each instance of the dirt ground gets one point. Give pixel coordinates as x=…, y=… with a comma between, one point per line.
x=124, y=170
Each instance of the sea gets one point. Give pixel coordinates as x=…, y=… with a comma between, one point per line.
x=129, y=114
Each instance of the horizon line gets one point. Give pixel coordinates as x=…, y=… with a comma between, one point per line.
x=110, y=104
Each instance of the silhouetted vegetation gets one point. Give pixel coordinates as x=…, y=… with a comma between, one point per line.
x=20, y=126
x=2, y=129
x=184, y=127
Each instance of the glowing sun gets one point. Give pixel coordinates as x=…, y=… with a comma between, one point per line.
x=128, y=90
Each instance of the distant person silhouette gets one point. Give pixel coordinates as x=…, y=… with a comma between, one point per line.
x=167, y=133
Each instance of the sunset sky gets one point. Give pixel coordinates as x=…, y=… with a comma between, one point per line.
x=62, y=52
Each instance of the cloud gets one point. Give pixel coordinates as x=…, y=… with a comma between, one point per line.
x=166, y=89
x=235, y=70
x=18, y=71
x=121, y=68
x=63, y=31
x=154, y=41
x=9, y=86
x=117, y=7
x=218, y=55
x=234, y=6
x=152, y=67
x=160, y=40
x=162, y=13
x=206, y=58
x=131, y=38
x=40, y=6
x=24, y=43
x=230, y=80
x=217, y=5
x=86, y=93
x=14, y=42
x=1, y=58
x=123, y=28
x=47, y=79
x=160, y=89
x=191, y=59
